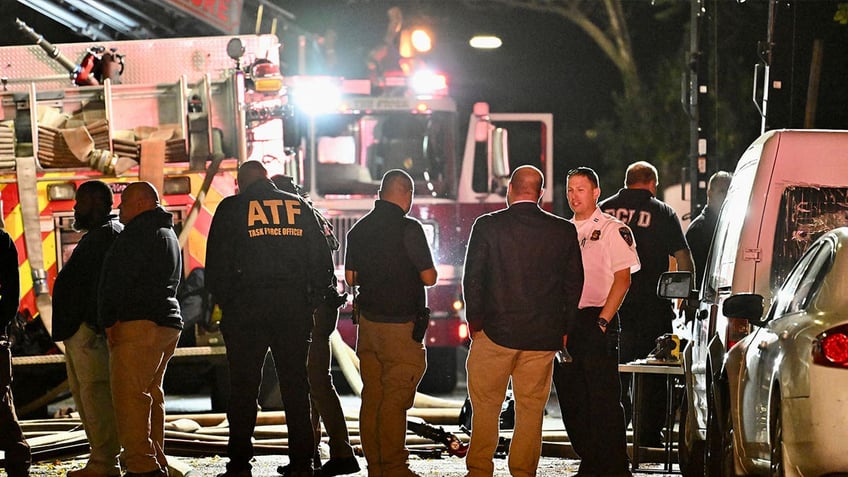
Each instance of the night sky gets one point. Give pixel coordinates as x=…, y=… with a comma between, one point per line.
x=548, y=65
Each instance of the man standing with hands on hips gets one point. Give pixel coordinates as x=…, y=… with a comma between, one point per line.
x=588, y=388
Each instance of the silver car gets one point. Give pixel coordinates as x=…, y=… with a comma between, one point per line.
x=788, y=379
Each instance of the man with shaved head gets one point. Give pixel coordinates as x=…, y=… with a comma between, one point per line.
x=269, y=267
x=522, y=283
x=389, y=259
x=138, y=307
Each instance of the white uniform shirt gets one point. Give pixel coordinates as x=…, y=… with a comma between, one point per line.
x=607, y=245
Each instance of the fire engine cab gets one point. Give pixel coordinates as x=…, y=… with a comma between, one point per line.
x=184, y=113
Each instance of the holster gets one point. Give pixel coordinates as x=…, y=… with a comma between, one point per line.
x=422, y=322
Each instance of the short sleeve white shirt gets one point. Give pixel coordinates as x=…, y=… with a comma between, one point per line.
x=607, y=246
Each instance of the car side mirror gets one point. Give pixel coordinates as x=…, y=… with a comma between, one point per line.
x=748, y=306
x=674, y=285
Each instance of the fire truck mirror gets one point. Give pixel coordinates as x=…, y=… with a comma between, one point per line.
x=500, y=153
x=500, y=161
x=235, y=49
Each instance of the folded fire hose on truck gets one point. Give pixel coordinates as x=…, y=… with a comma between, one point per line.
x=28, y=195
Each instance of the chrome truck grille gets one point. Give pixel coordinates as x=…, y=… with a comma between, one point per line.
x=341, y=226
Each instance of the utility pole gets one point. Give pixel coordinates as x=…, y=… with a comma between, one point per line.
x=697, y=140
x=766, y=56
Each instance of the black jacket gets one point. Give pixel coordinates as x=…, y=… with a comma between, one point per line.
x=658, y=236
x=10, y=281
x=264, y=238
x=699, y=235
x=523, y=277
x=388, y=251
x=75, y=290
x=141, y=273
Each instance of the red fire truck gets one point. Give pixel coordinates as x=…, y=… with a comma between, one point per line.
x=184, y=114
x=346, y=146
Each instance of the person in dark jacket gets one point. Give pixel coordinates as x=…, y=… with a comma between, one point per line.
x=389, y=259
x=138, y=307
x=268, y=266
x=12, y=441
x=75, y=323
x=326, y=405
x=643, y=316
x=699, y=235
x=522, y=283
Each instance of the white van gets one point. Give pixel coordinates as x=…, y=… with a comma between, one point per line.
x=789, y=187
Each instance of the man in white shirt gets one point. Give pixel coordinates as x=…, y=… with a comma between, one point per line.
x=588, y=388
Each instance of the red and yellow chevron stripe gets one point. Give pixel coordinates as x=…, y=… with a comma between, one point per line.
x=195, y=250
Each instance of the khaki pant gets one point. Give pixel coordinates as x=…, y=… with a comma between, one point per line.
x=87, y=362
x=326, y=406
x=139, y=354
x=391, y=364
x=489, y=367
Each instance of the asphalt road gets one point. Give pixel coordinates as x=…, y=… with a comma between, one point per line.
x=265, y=466
x=556, y=461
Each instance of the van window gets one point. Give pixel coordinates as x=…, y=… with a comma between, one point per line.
x=806, y=213
x=722, y=256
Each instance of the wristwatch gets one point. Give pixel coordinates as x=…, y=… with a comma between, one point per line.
x=603, y=323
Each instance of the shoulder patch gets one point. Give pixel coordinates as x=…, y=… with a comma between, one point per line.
x=627, y=235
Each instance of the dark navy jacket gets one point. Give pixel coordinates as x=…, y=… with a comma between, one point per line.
x=699, y=236
x=75, y=290
x=141, y=273
x=388, y=251
x=658, y=236
x=523, y=277
x=264, y=238
x=10, y=281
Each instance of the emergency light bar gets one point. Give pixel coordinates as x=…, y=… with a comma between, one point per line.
x=317, y=94
x=428, y=83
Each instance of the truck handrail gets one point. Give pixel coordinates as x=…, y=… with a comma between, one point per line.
x=181, y=352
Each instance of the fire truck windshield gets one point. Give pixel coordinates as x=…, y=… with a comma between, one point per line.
x=353, y=151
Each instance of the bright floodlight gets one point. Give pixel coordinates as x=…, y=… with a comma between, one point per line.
x=319, y=95
x=421, y=41
x=485, y=42
x=426, y=82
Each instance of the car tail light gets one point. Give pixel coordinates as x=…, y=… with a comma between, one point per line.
x=737, y=328
x=831, y=348
x=462, y=331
